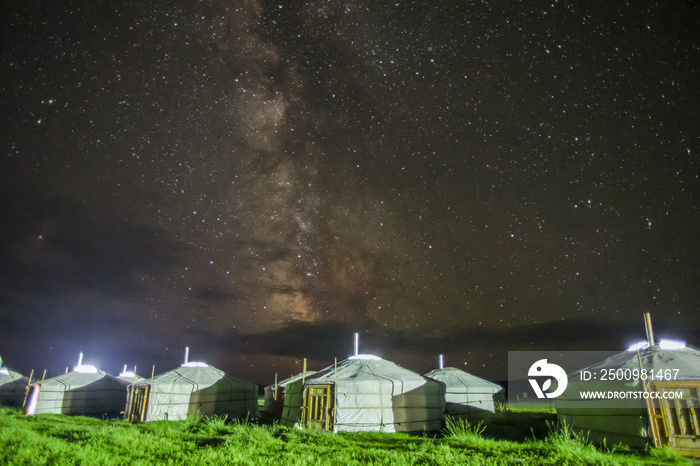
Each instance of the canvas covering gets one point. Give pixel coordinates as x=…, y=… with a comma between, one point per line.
x=624, y=421
x=12, y=387
x=199, y=388
x=372, y=394
x=95, y=394
x=466, y=395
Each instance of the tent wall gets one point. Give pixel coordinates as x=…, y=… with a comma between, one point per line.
x=227, y=396
x=610, y=426
x=466, y=395
x=102, y=398
x=80, y=394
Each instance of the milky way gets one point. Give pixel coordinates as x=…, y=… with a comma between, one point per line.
x=258, y=180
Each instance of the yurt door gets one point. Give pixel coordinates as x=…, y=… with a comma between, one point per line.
x=678, y=418
x=139, y=404
x=318, y=407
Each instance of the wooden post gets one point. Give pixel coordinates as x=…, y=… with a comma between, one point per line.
x=274, y=396
x=147, y=396
x=650, y=331
x=335, y=391
x=650, y=405
x=303, y=395
x=131, y=396
x=26, y=391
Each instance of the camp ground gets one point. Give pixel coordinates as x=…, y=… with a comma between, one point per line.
x=84, y=391
x=194, y=387
x=365, y=393
x=638, y=422
x=466, y=395
x=12, y=387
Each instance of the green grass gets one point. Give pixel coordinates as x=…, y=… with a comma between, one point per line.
x=526, y=406
x=63, y=440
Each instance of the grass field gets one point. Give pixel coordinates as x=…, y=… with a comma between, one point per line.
x=64, y=440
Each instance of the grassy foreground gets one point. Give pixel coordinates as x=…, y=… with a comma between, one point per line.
x=64, y=440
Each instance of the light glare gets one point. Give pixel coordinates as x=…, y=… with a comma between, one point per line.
x=671, y=344
x=639, y=345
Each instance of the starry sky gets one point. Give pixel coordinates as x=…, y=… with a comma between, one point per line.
x=258, y=180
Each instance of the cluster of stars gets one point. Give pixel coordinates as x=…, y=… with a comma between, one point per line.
x=407, y=165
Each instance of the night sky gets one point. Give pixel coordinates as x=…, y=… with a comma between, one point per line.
x=258, y=180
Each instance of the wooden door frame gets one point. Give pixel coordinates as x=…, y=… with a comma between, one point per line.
x=672, y=414
x=310, y=409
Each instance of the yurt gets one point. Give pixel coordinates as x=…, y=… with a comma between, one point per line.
x=274, y=394
x=651, y=397
x=85, y=391
x=365, y=393
x=194, y=387
x=466, y=395
x=12, y=387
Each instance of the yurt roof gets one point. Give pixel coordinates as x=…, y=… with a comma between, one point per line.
x=198, y=374
x=80, y=376
x=685, y=358
x=460, y=381
x=364, y=369
x=7, y=375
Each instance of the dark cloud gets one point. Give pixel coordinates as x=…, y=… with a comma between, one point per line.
x=219, y=296
x=65, y=245
x=323, y=340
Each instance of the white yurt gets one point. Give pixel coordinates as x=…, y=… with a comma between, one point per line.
x=85, y=391
x=12, y=387
x=194, y=387
x=466, y=395
x=633, y=418
x=365, y=393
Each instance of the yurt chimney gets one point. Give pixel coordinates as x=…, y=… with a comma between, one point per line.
x=187, y=354
x=80, y=359
x=357, y=344
x=442, y=362
x=123, y=371
x=647, y=325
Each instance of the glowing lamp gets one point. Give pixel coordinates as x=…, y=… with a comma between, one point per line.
x=85, y=369
x=195, y=364
x=639, y=345
x=671, y=344
x=366, y=356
